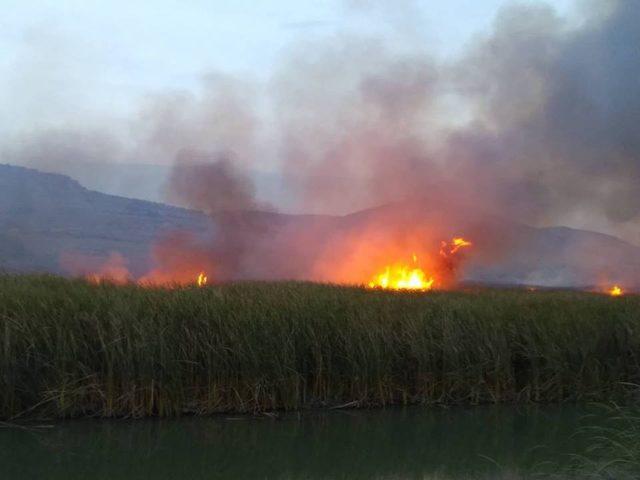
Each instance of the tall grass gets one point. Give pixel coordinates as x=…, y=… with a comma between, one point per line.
x=69, y=348
x=614, y=451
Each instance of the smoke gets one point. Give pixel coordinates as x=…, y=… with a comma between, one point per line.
x=551, y=135
x=220, y=117
x=179, y=258
x=353, y=121
x=210, y=183
x=536, y=123
x=56, y=148
x=555, y=109
x=166, y=130
x=96, y=268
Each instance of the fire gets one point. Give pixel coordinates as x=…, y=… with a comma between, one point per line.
x=400, y=276
x=114, y=270
x=450, y=248
x=616, y=291
x=403, y=277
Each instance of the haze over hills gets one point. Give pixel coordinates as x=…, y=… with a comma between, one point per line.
x=43, y=216
x=47, y=218
x=146, y=181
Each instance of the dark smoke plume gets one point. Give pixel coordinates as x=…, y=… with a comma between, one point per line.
x=210, y=183
x=556, y=112
x=538, y=122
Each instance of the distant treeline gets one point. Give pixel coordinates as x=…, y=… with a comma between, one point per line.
x=69, y=348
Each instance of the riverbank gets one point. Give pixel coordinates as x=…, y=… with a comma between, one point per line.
x=69, y=348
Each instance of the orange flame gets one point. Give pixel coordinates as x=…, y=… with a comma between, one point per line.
x=450, y=248
x=616, y=291
x=400, y=276
x=201, y=281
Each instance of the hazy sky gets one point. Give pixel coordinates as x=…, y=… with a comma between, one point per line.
x=278, y=83
x=64, y=59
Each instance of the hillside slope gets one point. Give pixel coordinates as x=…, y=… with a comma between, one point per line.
x=45, y=216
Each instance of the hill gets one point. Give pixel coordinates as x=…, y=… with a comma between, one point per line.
x=43, y=216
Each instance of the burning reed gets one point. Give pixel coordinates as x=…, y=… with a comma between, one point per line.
x=70, y=348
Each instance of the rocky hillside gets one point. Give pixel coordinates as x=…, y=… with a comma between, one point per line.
x=44, y=217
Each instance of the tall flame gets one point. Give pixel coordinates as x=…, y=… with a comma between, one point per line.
x=201, y=281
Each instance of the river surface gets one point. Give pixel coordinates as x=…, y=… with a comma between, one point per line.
x=409, y=443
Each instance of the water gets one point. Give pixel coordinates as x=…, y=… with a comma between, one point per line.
x=411, y=443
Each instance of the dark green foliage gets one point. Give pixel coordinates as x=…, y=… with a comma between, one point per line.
x=69, y=348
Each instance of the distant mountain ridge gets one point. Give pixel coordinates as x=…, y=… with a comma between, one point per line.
x=44, y=215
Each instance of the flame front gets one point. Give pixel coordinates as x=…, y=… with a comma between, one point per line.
x=616, y=291
x=201, y=281
x=400, y=276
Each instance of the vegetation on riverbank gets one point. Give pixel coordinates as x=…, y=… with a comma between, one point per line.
x=614, y=451
x=70, y=348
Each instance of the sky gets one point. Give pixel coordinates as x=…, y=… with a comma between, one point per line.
x=66, y=59
x=358, y=87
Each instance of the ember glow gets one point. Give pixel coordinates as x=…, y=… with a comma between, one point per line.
x=401, y=276
x=183, y=271
x=616, y=291
x=148, y=281
x=113, y=269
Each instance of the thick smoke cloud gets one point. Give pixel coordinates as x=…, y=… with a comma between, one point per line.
x=552, y=138
x=353, y=122
x=552, y=130
x=557, y=113
x=538, y=122
x=210, y=183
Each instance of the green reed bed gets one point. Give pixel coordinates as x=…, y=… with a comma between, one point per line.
x=69, y=348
